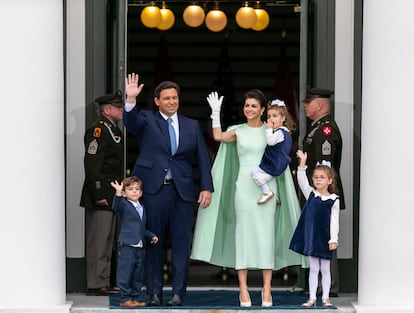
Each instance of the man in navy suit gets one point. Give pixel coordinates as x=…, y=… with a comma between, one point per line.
x=165, y=165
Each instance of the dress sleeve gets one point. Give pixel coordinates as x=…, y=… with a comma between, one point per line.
x=303, y=182
x=273, y=138
x=334, y=222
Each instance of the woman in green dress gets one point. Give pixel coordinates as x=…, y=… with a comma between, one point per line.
x=235, y=231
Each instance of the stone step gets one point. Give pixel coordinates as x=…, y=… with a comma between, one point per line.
x=98, y=304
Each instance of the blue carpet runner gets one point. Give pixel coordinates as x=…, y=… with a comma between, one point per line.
x=228, y=299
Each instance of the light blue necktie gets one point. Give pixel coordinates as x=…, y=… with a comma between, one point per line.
x=139, y=210
x=173, y=142
x=173, y=138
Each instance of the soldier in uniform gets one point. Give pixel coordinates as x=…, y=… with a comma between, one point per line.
x=323, y=144
x=103, y=162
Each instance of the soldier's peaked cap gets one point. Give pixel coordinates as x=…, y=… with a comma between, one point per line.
x=115, y=99
x=313, y=93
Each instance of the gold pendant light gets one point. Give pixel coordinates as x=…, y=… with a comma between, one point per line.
x=263, y=18
x=246, y=16
x=194, y=15
x=167, y=18
x=151, y=16
x=216, y=20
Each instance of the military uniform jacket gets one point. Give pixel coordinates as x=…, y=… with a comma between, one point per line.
x=103, y=163
x=323, y=142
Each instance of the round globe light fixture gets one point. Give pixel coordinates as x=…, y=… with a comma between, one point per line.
x=216, y=20
x=167, y=18
x=263, y=18
x=246, y=16
x=151, y=16
x=194, y=15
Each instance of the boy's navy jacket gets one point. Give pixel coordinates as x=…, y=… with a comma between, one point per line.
x=133, y=228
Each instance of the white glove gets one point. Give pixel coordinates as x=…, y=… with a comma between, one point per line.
x=215, y=104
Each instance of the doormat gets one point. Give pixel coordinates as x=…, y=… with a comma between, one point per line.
x=227, y=299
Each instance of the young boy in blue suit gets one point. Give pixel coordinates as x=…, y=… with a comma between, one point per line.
x=131, y=239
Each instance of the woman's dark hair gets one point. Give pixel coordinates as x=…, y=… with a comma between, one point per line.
x=256, y=94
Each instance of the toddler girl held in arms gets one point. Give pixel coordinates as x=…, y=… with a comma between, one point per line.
x=276, y=157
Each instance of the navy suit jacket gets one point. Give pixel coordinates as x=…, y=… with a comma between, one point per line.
x=133, y=228
x=151, y=132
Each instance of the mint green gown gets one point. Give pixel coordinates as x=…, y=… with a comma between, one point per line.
x=236, y=232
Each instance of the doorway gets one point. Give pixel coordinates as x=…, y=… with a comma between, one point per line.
x=231, y=61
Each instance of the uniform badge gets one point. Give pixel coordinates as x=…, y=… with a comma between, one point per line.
x=93, y=147
x=97, y=132
x=327, y=130
x=326, y=148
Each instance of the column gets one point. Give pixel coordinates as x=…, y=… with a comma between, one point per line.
x=32, y=215
x=344, y=110
x=75, y=112
x=386, y=251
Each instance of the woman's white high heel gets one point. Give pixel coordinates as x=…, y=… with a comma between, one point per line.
x=245, y=304
x=266, y=303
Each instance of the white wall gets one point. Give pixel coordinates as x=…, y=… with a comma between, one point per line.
x=75, y=110
x=386, y=251
x=344, y=111
x=32, y=215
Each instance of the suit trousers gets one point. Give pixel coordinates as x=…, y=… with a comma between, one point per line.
x=130, y=272
x=100, y=234
x=169, y=217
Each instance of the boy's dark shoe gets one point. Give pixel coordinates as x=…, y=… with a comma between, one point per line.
x=175, y=300
x=154, y=300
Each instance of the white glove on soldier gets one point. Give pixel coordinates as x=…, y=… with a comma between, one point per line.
x=215, y=104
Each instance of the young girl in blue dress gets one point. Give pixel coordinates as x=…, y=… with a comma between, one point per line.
x=316, y=234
